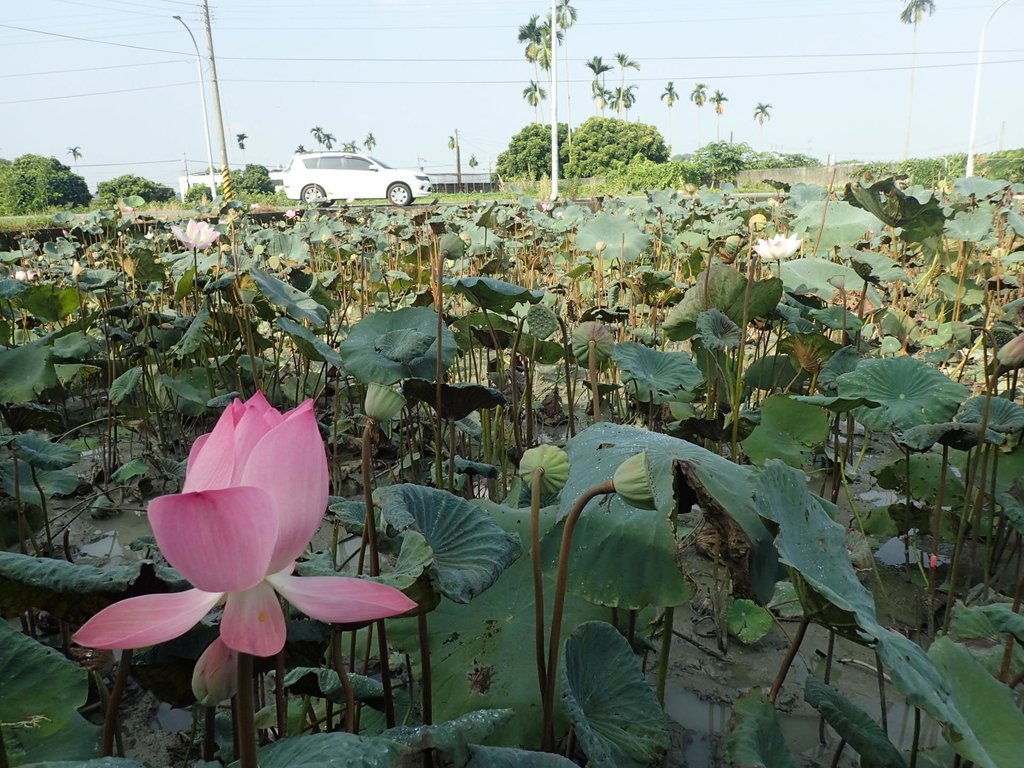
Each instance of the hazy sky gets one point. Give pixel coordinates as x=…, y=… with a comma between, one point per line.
x=118, y=78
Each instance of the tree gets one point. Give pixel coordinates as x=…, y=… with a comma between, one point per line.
x=301, y=150
x=670, y=97
x=36, y=184
x=762, y=112
x=349, y=146
x=250, y=183
x=534, y=95
x=597, y=88
x=318, y=134
x=624, y=99
x=530, y=34
x=565, y=15
x=720, y=161
x=241, y=139
x=699, y=97
x=602, y=144
x=473, y=162
x=328, y=140
x=912, y=14
x=624, y=63
x=76, y=154
x=109, y=192
x=528, y=156
x=369, y=142
x=719, y=99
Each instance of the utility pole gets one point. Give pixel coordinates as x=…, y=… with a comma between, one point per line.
x=977, y=91
x=554, y=101
x=458, y=161
x=229, y=193
x=206, y=120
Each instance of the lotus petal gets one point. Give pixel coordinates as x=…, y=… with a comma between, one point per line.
x=221, y=541
x=340, y=599
x=253, y=621
x=212, y=458
x=146, y=620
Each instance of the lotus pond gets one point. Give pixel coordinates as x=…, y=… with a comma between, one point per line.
x=644, y=488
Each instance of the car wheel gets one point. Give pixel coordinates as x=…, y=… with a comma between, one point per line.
x=311, y=193
x=400, y=194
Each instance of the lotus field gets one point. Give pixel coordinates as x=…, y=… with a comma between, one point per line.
x=645, y=481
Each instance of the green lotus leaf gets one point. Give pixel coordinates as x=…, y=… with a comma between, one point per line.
x=504, y=757
x=787, y=429
x=919, y=219
x=493, y=294
x=42, y=693
x=844, y=225
x=99, y=762
x=75, y=592
x=655, y=376
x=326, y=684
x=387, y=347
x=11, y=288
x=724, y=289
x=124, y=385
x=969, y=226
x=749, y=621
x=979, y=187
x=818, y=277
x=298, y=305
x=717, y=330
x=617, y=718
x=334, y=750
x=771, y=372
x=612, y=236
x=853, y=725
x=470, y=549
x=451, y=739
x=909, y=392
x=311, y=345
x=755, y=738
x=925, y=471
x=962, y=437
x=722, y=487
x=880, y=267
x=41, y=453
x=809, y=351
x=457, y=400
x=983, y=629
x=478, y=654
x=49, y=302
x=843, y=361
x=835, y=404
x=26, y=371
x=1003, y=415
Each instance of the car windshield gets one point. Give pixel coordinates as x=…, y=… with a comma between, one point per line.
x=378, y=162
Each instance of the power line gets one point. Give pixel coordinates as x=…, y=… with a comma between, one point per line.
x=90, y=40
x=92, y=69
x=97, y=93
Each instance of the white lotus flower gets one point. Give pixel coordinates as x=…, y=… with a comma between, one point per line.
x=197, y=234
x=778, y=248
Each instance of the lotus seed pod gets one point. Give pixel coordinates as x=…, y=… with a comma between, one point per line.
x=732, y=244
x=757, y=222
x=580, y=341
x=382, y=403
x=600, y=246
x=1011, y=354
x=555, y=463
x=632, y=482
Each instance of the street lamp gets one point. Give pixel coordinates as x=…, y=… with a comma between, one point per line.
x=977, y=91
x=202, y=96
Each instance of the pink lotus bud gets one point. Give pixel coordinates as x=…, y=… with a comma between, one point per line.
x=1011, y=354
x=215, y=678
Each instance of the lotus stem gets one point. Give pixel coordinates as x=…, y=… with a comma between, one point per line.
x=592, y=366
x=346, y=684
x=829, y=656
x=936, y=535
x=427, y=698
x=569, y=389
x=114, y=704
x=209, y=748
x=245, y=724
x=666, y=646
x=794, y=646
x=915, y=743
x=538, y=585
x=517, y=427
x=280, y=697
x=370, y=524
x=554, y=644
x=881, y=694
x=737, y=393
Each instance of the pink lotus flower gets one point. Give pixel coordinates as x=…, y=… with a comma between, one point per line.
x=255, y=492
x=197, y=234
x=26, y=277
x=215, y=677
x=777, y=248
x=290, y=214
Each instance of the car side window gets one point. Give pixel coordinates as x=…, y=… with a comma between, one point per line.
x=331, y=164
x=356, y=164
x=310, y=162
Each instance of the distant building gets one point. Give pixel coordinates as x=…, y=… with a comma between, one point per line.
x=471, y=182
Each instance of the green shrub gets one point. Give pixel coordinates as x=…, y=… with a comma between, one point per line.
x=252, y=185
x=602, y=145
x=1008, y=165
x=109, y=192
x=528, y=156
x=36, y=184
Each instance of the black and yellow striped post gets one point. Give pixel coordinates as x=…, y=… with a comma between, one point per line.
x=227, y=188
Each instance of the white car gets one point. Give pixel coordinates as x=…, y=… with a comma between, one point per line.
x=348, y=176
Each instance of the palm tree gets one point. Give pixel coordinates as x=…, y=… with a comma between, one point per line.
x=762, y=113
x=699, y=97
x=912, y=14
x=318, y=134
x=350, y=146
x=327, y=139
x=301, y=150
x=369, y=142
x=625, y=63
x=241, y=138
x=473, y=162
x=624, y=99
x=76, y=154
x=544, y=51
x=530, y=34
x=718, y=99
x=534, y=95
x=670, y=97
x=597, y=89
